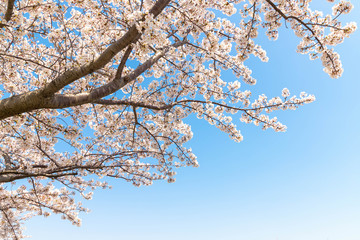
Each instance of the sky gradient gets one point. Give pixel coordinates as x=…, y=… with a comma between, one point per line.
x=302, y=184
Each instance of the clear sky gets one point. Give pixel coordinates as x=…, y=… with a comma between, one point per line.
x=302, y=184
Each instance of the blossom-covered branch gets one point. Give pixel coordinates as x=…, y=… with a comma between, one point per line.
x=112, y=82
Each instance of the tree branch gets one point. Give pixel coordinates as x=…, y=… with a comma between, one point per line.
x=10, y=177
x=131, y=103
x=37, y=99
x=62, y=101
x=122, y=63
x=130, y=37
x=9, y=10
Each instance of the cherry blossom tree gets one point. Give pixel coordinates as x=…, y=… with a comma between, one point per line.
x=100, y=88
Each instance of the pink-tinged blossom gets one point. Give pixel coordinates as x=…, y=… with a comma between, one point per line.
x=343, y=7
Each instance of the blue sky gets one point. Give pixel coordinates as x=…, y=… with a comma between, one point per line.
x=302, y=184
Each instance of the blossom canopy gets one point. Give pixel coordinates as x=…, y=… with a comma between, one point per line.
x=100, y=88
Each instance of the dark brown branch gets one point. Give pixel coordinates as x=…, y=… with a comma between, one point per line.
x=10, y=177
x=130, y=103
x=296, y=19
x=122, y=63
x=304, y=25
x=27, y=60
x=9, y=10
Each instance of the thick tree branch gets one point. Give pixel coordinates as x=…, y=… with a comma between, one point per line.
x=37, y=99
x=122, y=63
x=58, y=172
x=4, y=178
x=9, y=10
x=62, y=101
x=130, y=37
